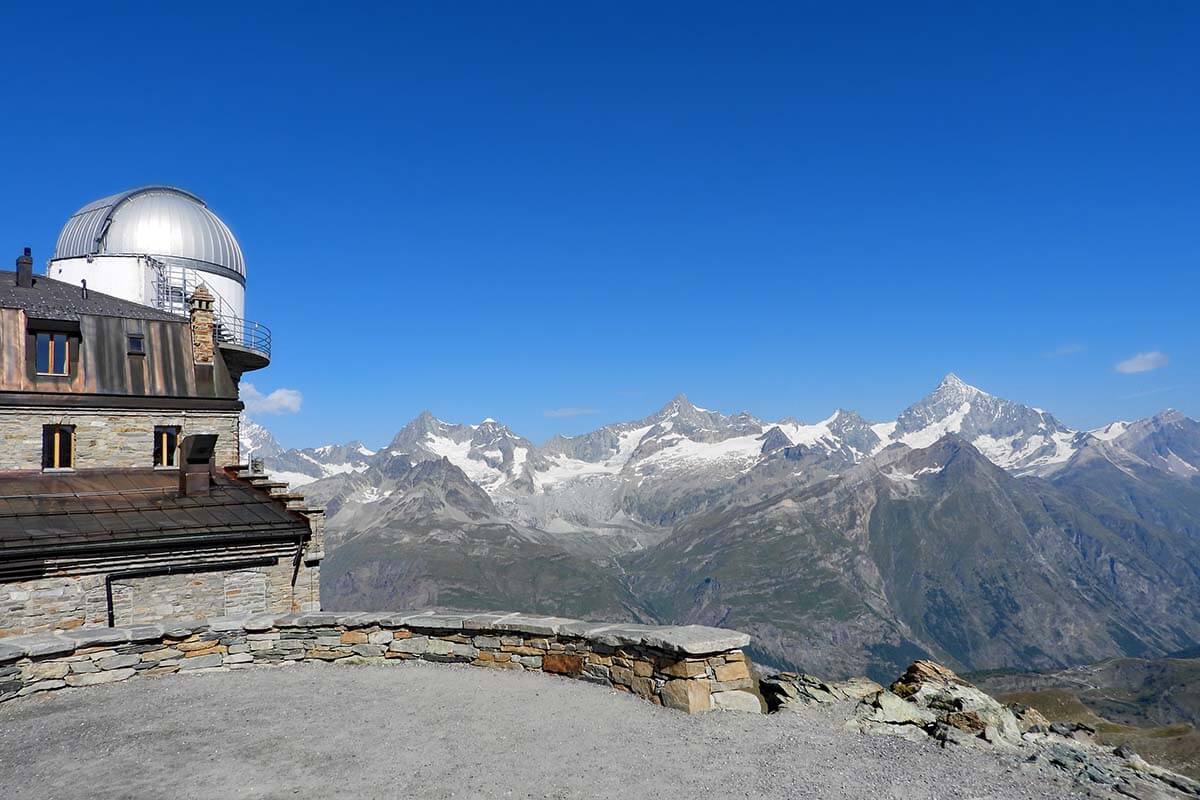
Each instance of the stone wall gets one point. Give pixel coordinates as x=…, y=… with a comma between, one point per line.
x=70, y=602
x=108, y=437
x=691, y=668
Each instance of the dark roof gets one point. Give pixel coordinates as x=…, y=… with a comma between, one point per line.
x=47, y=515
x=51, y=299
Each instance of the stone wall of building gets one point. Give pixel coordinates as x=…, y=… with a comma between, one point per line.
x=48, y=604
x=109, y=438
x=253, y=590
x=691, y=668
x=68, y=603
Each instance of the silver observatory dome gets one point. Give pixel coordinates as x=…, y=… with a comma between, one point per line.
x=168, y=224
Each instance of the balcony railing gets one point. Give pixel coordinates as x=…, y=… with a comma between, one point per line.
x=243, y=333
x=173, y=285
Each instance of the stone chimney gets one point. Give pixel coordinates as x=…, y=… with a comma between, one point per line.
x=200, y=309
x=25, y=269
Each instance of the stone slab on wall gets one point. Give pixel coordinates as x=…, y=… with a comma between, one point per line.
x=109, y=437
x=690, y=668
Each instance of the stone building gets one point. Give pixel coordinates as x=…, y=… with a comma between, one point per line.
x=122, y=498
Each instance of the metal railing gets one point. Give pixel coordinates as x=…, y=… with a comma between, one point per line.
x=243, y=333
x=173, y=285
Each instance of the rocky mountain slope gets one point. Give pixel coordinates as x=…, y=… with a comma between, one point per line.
x=971, y=529
x=933, y=551
x=1151, y=706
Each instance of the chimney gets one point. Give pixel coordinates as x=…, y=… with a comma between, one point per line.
x=196, y=464
x=25, y=269
x=200, y=310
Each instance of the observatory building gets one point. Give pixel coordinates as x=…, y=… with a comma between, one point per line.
x=154, y=246
x=122, y=495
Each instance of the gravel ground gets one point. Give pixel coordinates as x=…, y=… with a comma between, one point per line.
x=437, y=731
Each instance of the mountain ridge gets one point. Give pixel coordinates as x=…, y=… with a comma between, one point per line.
x=1023, y=439
x=973, y=530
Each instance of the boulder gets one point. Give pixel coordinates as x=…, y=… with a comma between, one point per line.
x=920, y=673
x=885, y=713
x=791, y=689
x=857, y=688
x=955, y=702
x=737, y=700
x=888, y=708
x=1029, y=719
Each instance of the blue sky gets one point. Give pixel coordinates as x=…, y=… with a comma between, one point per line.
x=527, y=210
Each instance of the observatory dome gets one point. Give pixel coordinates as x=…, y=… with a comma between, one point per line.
x=165, y=223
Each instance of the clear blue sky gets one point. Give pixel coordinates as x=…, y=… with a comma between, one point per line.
x=512, y=210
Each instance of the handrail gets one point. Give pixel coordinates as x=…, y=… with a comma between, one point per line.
x=243, y=333
x=174, y=284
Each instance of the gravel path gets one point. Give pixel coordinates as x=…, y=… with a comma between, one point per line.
x=437, y=731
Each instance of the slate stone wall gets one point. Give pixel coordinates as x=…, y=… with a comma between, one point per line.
x=47, y=604
x=689, y=668
x=71, y=602
x=107, y=437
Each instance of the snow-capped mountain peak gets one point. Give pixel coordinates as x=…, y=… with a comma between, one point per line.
x=1168, y=442
x=488, y=452
x=255, y=441
x=1011, y=435
x=628, y=472
x=952, y=384
x=301, y=466
x=1110, y=431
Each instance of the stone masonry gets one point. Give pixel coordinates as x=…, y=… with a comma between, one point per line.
x=200, y=311
x=691, y=668
x=109, y=438
x=69, y=602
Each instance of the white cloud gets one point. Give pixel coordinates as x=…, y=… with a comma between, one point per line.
x=1143, y=362
x=280, y=401
x=570, y=412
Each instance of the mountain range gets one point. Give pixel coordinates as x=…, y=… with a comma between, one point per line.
x=972, y=529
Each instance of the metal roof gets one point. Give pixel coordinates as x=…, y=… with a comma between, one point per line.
x=43, y=514
x=159, y=221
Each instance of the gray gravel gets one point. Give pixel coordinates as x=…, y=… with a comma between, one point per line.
x=436, y=731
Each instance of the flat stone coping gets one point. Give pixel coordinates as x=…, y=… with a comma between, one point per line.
x=690, y=640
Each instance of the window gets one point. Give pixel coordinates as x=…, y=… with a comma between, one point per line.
x=166, y=439
x=137, y=344
x=53, y=353
x=58, y=446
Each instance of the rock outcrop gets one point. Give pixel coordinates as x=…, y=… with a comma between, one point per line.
x=930, y=701
x=789, y=689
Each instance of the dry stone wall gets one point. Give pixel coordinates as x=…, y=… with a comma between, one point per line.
x=691, y=668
